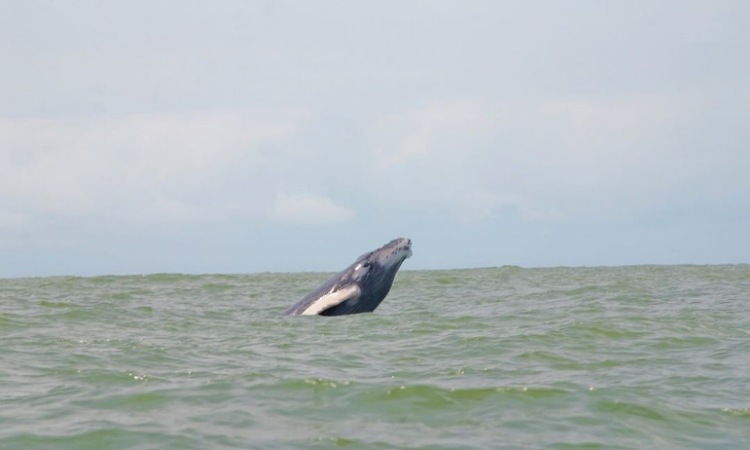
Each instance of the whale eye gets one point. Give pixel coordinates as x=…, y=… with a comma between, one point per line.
x=361, y=271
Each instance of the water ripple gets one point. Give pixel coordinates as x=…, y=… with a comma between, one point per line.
x=615, y=358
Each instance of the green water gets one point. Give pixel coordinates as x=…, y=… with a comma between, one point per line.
x=563, y=358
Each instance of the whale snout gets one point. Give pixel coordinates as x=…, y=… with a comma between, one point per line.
x=395, y=251
x=407, y=247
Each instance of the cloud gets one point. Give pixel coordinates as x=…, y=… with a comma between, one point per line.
x=417, y=129
x=10, y=219
x=590, y=121
x=544, y=159
x=447, y=156
x=628, y=153
x=309, y=209
x=153, y=166
x=575, y=157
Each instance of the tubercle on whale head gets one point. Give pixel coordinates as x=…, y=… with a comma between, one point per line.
x=394, y=252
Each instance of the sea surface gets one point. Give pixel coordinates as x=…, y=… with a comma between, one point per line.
x=645, y=357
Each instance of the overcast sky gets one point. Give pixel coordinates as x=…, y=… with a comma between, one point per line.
x=248, y=136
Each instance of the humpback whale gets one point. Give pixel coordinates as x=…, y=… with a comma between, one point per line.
x=360, y=287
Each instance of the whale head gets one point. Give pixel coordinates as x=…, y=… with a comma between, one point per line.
x=372, y=268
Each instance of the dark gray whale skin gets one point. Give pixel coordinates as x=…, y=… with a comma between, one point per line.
x=359, y=288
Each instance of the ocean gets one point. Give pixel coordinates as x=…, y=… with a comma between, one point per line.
x=642, y=357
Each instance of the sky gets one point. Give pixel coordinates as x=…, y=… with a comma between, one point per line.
x=280, y=136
